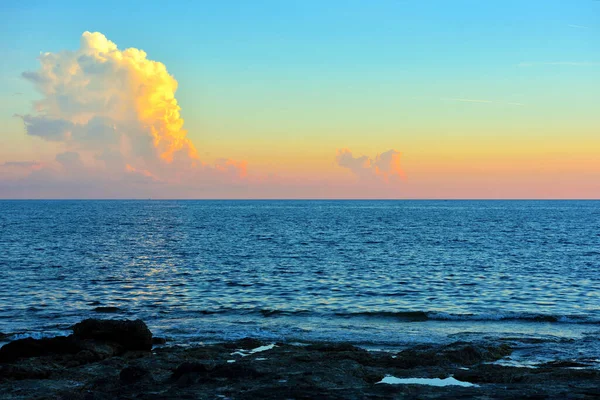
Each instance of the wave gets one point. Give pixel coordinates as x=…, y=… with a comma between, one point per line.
x=265, y=312
x=495, y=316
x=410, y=315
x=37, y=334
x=401, y=315
x=269, y=313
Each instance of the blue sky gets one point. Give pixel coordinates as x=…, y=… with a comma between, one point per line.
x=283, y=37
x=258, y=79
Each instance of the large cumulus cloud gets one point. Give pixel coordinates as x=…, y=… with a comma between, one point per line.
x=115, y=114
x=113, y=120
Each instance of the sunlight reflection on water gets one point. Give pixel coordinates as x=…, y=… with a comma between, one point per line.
x=370, y=271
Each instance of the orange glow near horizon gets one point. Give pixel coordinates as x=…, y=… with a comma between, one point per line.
x=110, y=117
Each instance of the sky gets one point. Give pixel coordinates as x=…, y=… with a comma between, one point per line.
x=300, y=99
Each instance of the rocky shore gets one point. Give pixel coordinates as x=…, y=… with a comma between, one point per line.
x=109, y=359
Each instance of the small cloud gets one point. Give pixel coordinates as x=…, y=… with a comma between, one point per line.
x=21, y=164
x=468, y=100
x=384, y=166
x=52, y=129
x=140, y=175
x=563, y=63
x=578, y=26
x=233, y=167
x=512, y=103
x=70, y=160
x=34, y=77
x=17, y=94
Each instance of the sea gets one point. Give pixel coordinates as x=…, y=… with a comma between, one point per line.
x=378, y=274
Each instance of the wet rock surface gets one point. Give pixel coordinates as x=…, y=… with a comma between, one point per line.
x=29, y=347
x=158, y=340
x=132, y=335
x=98, y=365
x=92, y=340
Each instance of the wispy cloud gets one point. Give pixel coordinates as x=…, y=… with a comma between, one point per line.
x=564, y=63
x=20, y=164
x=578, y=26
x=467, y=100
x=481, y=101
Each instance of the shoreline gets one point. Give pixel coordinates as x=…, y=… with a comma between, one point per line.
x=121, y=359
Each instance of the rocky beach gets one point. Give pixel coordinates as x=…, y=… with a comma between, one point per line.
x=109, y=359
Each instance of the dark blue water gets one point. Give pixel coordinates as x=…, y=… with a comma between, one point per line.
x=373, y=272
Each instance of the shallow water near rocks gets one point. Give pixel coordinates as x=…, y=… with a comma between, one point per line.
x=392, y=380
x=376, y=273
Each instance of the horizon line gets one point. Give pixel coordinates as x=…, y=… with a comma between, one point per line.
x=299, y=199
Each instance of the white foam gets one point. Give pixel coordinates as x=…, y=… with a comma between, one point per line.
x=230, y=361
x=263, y=348
x=509, y=362
x=39, y=335
x=392, y=380
x=444, y=316
x=260, y=349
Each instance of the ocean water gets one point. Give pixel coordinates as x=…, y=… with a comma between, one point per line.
x=376, y=273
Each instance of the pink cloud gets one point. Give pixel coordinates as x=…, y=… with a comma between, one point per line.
x=385, y=166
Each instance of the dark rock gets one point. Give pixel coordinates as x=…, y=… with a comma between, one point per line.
x=456, y=353
x=132, y=335
x=331, y=371
x=19, y=372
x=102, y=350
x=416, y=357
x=107, y=309
x=158, y=340
x=333, y=347
x=236, y=371
x=189, y=368
x=189, y=373
x=133, y=355
x=86, y=357
x=592, y=393
x=244, y=344
x=29, y=347
x=575, y=374
x=373, y=377
x=207, y=353
x=85, y=351
x=563, y=364
x=337, y=351
x=470, y=354
x=490, y=373
x=306, y=357
x=133, y=374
